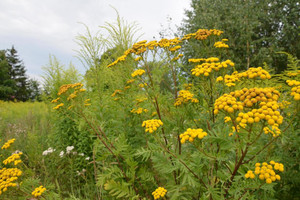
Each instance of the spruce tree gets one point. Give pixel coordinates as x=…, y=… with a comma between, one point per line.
x=18, y=74
x=7, y=85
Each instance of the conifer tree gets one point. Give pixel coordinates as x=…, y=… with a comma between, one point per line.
x=18, y=74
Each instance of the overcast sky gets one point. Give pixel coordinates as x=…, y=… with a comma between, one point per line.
x=38, y=28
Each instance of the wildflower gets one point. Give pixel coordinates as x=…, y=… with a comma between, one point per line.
x=184, y=97
x=7, y=178
x=255, y=72
x=87, y=158
x=48, y=151
x=141, y=85
x=138, y=58
x=138, y=111
x=159, y=192
x=38, y=191
x=227, y=119
x=295, y=91
x=152, y=125
x=55, y=100
x=116, y=92
x=69, y=149
x=191, y=134
x=58, y=106
x=8, y=143
x=266, y=171
x=138, y=72
x=221, y=44
x=81, y=154
x=130, y=81
x=16, y=158
x=209, y=65
x=175, y=48
x=61, y=154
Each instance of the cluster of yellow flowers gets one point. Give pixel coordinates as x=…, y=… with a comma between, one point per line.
x=169, y=44
x=63, y=89
x=58, y=106
x=293, y=82
x=227, y=119
x=266, y=171
x=119, y=59
x=255, y=72
x=130, y=81
x=202, y=34
x=38, y=191
x=234, y=130
x=176, y=58
x=221, y=44
x=275, y=131
x=139, y=111
x=159, y=192
x=209, y=65
x=228, y=103
x=265, y=100
x=7, y=178
x=55, y=100
x=87, y=102
x=7, y=144
x=295, y=90
x=142, y=85
x=229, y=80
x=116, y=92
x=140, y=100
x=152, y=125
x=191, y=134
x=250, y=73
x=187, y=86
x=264, y=112
x=66, y=87
x=138, y=72
x=175, y=48
x=184, y=97
x=284, y=104
x=293, y=73
x=13, y=158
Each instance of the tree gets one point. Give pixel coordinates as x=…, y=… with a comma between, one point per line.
x=34, y=90
x=7, y=85
x=256, y=30
x=18, y=74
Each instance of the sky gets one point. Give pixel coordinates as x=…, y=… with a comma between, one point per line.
x=39, y=28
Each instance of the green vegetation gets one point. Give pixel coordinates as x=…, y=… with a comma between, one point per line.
x=150, y=120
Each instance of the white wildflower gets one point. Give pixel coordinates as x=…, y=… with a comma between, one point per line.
x=81, y=154
x=87, y=158
x=48, y=151
x=69, y=149
x=61, y=154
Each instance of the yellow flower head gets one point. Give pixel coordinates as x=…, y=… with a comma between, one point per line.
x=159, y=192
x=8, y=143
x=191, y=134
x=38, y=191
x=152, y=125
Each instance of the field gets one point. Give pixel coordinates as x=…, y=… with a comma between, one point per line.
x=144, y=124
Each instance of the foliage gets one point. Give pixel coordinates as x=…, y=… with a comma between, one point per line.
x=137, y=128
x=256, y=29
x=191, y=158
x=14, y=84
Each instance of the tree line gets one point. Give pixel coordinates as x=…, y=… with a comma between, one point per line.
x=15, y=85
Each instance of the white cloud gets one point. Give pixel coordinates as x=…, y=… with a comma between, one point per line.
x=39, y=28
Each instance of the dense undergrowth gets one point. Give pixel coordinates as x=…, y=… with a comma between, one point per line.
x=141, y=126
